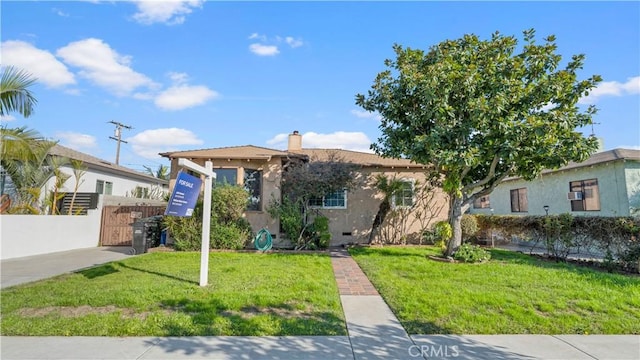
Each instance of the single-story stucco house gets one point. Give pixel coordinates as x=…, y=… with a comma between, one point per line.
x=350, y=213
x=606, y=184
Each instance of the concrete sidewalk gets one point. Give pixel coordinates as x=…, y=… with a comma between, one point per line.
x=373, y=330
x=459, y=347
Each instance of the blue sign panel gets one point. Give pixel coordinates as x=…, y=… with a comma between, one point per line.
x=184, y=196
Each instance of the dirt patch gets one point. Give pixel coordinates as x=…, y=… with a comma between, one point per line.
x=248, y=312
x=84, y=310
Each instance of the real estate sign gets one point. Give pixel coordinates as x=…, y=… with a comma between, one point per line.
x=184, y=196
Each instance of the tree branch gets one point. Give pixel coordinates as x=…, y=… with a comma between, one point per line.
x=490, y=175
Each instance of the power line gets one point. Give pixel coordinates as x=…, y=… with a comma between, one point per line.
x=118, y=138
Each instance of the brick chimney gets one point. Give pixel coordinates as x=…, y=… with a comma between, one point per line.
x=295, y=141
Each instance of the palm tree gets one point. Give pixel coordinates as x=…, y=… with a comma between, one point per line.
x=161, y=173
x=388, y=187
x=19, y=146
x=14, y=93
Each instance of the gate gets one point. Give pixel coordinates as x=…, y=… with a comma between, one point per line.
x=116, y=230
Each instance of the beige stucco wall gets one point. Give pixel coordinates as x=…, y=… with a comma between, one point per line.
x=362, y=207
x=350, y=225
x=616, y=181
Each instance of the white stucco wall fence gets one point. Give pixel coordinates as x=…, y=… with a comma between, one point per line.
x=26, y=235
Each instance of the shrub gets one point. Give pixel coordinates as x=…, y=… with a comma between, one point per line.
x=471, y=254
x=442, y=233
x=185, y=231
x=469, y=225
x=617, y=239
x=321, y=229
x=229, y=236
x=228, y=229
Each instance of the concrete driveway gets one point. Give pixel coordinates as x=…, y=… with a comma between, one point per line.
x=32, y=268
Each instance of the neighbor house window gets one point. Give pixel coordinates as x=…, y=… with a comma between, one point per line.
x=482, y=202
x=226, y=176
x=104, y=187
x=404, y=196
x=332, y=200
x=253, y=184
x=519, y=200
x=588, y=190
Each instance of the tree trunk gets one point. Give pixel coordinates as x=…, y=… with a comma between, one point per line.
x=383, y=210
x=455, y=219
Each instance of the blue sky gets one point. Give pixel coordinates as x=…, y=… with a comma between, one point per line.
x=193, y=74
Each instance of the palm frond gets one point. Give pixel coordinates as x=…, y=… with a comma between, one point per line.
x=14, y=92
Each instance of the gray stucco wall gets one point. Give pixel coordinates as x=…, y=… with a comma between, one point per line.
x=632, y=176
x=618, y=184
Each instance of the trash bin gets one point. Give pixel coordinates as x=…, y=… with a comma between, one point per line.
x=146, y=233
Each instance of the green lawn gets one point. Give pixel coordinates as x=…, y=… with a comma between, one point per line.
x=511, y=294
x=158, y=294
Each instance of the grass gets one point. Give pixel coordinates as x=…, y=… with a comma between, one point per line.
x=511, y=294
x=157, y=294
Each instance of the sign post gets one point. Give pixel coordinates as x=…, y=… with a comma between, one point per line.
x=209, y=175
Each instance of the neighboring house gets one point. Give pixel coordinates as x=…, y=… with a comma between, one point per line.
x=606, y=184
x=103, y=177
x=350, y=214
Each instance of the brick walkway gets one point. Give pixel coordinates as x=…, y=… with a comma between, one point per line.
x=350, y=278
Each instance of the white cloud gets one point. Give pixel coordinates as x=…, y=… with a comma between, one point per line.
x=265, y=45
x=102, y=65
x=7, y=118
x=356, y=141
x=264, y=50
x=75, y=140
x=151, y=142
x=178, y=78
x=294, y=43
x=257, y=36
x=60, y=12
x=278, y=140
x=184, y=96
x=366, y=114
x=169, y=12
x=40, y=63
x=612, y=88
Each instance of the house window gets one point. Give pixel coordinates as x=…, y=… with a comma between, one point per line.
x=104, y=187
x=482, y=202
x=404, y=196
x=590, y=195
x=333, y=200
x=253, y=184
x=519, y=201
x=226, y=176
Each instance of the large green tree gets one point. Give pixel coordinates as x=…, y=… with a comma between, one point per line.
x=481, y=111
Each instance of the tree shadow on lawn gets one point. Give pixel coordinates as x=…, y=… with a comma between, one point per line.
x=212, y=317
x=158, y=274
x=98, y=271
x=355, y=251
x=599, y=275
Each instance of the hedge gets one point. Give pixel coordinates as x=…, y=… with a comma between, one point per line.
x=616, y=238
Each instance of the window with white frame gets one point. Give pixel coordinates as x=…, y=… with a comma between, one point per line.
x=404, y=196
x=104, y=187
x=333, y=200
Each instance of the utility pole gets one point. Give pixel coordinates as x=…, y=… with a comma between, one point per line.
x=118, y=137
